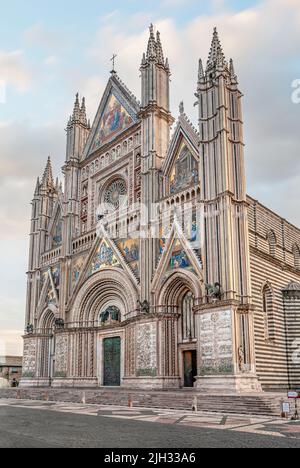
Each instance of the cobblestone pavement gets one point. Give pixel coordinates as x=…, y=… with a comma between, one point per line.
x=280, y=432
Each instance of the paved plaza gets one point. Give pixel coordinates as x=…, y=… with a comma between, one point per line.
x=46, y=424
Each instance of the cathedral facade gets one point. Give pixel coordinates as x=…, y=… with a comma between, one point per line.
x=151, y=267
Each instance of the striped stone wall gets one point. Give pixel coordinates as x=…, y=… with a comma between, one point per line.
x=277, y=321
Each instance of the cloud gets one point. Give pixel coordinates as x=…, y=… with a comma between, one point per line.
x=24, y=150
x=14, y=71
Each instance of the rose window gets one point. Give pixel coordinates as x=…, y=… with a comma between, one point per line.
x=114, y=193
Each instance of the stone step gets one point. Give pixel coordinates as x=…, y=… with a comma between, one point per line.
x=260, y=404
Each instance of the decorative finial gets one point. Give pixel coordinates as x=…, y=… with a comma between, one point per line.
x=181, y=108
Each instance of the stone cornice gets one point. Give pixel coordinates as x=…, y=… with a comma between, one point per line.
x=275, y=261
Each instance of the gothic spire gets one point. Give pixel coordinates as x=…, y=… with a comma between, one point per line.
x=155, y=51
x=201, y=74
x=160, y=53
x=216, y=56
x=233, y=76
x=37, y=187
x=83, y=117
x=76, y=111
x=152, y=47
x=47, y=181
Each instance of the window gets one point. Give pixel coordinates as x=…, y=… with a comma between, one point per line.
x=268, y=312
x=271, y=238
x=296, y=253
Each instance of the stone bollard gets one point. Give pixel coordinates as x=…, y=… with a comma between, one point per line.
x=195, y=405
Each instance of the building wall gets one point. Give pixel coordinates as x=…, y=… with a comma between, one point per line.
x=276, y=269
x=11, y=368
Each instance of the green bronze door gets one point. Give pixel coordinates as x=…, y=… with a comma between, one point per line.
x=112, y=362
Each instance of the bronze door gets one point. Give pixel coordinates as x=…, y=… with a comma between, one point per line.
x=112, y=362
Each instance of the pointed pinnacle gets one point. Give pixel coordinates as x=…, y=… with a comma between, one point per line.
x=83, y=117
x=232, y=72
x=76, y=111
x=160, y=53
x=151, y=50
x=181, y=108
x=48, y=175
x=37, y=187
x=200, y=70
x=216, y=55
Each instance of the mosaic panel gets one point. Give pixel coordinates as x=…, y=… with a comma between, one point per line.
x=130, y=250
x=185, y=172
x=115, y=119
x=104, y=257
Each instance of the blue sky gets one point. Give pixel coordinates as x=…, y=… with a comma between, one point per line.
x=51, y=50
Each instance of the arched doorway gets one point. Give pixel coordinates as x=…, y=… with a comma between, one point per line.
x=111, y=316
x=106, y=299
x=179, y=295
x=46, y=345
x=187, y=339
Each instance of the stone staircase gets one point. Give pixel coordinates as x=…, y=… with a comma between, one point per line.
x=263, y=404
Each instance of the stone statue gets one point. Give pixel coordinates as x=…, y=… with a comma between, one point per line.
x=59, y=323
x=145, y=307
x=214, y=291
x=29, y=329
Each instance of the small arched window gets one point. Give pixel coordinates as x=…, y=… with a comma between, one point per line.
x=268, y=313
x=296, y=253
x=271, y=238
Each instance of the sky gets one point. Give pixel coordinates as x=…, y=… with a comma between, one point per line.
x=51, y=50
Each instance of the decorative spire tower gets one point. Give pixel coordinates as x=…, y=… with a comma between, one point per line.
x=156, y=122
x=226, y=255
x=78, y=130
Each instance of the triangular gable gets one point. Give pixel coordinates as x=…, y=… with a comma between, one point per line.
x=130, y=249
x=186, y=133
x=49, y=294
x=117, y=112
x=55, y=226
x=178, y=254
x=104, y=255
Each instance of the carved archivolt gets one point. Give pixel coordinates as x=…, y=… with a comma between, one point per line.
x=109, y=285
x=177, y=285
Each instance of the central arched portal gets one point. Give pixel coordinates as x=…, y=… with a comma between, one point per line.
x=107, y=300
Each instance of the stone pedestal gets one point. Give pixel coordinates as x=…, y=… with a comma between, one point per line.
x=75, y=383
x=228, y=384
x=225, y=357
x=152, y=383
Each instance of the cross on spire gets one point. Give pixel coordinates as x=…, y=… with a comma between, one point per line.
x=113, y=60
